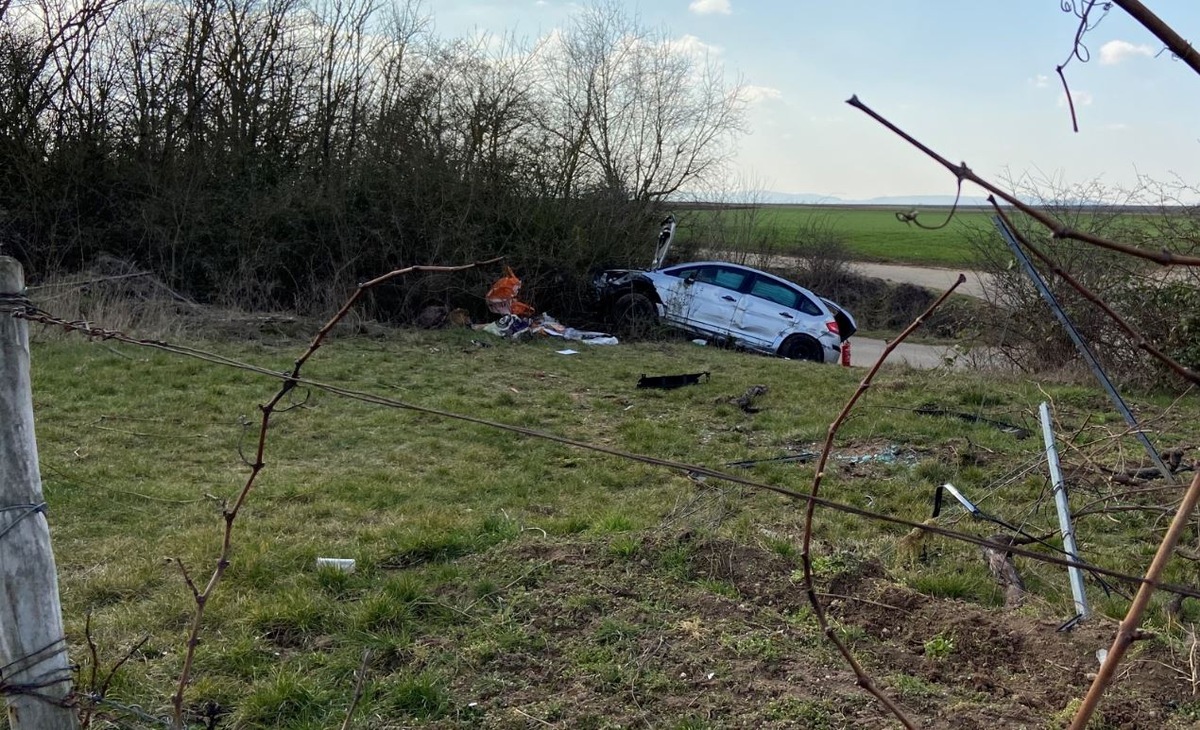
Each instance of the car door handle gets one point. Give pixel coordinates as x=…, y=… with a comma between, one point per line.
x=729, y=298
x=785, y=314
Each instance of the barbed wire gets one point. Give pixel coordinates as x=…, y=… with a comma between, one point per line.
x=30, y=509
x=13, y=303
x=34, y=685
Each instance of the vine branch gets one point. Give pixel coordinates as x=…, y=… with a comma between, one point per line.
x=290, y=381
x=863, y=679
x=1058, y=230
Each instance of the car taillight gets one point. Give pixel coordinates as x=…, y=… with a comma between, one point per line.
x=832, y=327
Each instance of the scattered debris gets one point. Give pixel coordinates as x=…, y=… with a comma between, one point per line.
x=1017, y=431
x=345, y=565
x=547, y=325
x=802, y=458
x=568, y=351
x=1173, y=458
x=509, y=327
x=669, y=382
x=746, y=400
x=948, y=487
x=891, y=454
x=502, y=297
x=513, y=327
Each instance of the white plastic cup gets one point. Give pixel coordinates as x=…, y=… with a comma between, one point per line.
x=346, y=565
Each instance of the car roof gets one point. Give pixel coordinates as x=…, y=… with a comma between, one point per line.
x=738, y=266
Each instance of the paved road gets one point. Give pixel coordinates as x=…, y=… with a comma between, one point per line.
x=864, y=351
x=931, y=278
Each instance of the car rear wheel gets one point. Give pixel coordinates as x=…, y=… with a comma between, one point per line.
x=801, y=347
x=635, y=315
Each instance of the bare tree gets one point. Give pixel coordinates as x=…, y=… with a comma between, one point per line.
x=632, y=111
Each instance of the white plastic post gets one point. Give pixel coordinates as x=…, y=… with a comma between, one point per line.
x=1064, y=514
x=34, y=666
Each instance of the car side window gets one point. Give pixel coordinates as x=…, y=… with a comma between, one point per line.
x=775, y=292
x=722, y=277
x=808, y=306
x=684, y=273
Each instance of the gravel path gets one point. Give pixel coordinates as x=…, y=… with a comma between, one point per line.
x=864, y=351
x=928, y=277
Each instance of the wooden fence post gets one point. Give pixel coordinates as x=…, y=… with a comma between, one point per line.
x=35, y=672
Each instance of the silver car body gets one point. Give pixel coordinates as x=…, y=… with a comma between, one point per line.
x=747, y=307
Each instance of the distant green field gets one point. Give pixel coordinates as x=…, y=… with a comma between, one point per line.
x=871, y=233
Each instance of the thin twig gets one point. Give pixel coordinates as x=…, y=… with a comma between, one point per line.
x=290, y=381
x=85, y=714
x=1141, y=342
x=88, y=282
x=962, y=172
x=360, y=684
x=1129, y=629
x=113, y=672
x=1078, y=49
x=863, y=679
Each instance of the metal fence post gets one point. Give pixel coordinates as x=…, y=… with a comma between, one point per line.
x=35, y=670
x=1082, y=347
x=1064, y=514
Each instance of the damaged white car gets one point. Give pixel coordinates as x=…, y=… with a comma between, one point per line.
x=732, y=304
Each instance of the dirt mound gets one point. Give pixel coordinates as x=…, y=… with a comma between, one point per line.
x=703, y=632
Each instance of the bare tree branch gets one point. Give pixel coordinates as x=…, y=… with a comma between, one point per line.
x=962, y=172
x=1129, y=629
x=1165, y=33
x=863, y=679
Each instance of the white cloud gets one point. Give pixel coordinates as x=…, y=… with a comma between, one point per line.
x=1114, y=52
x=1040, y=81
x=691, y=45
x=755, y=94
x=1080, y=98
x=710, y=7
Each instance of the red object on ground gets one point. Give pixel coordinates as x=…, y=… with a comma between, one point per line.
x=502, y=297
x=846, y=354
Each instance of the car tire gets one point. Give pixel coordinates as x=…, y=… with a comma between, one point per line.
x=634, y=315
x=801, y=347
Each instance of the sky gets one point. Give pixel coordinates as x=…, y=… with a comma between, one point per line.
x=973, y=80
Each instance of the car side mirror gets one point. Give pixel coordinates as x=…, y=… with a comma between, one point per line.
x=690, y=278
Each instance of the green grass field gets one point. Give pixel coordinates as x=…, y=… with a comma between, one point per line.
x=509, y=582
x=870, y=233
x=873, y=233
